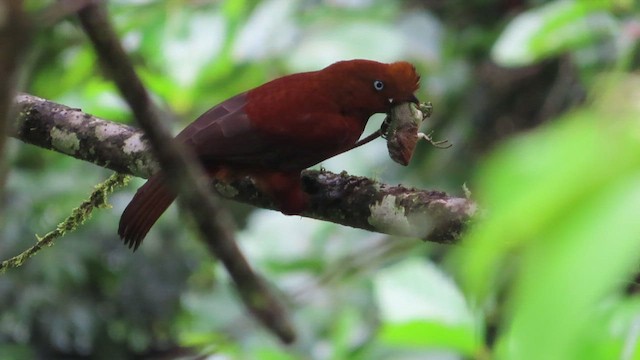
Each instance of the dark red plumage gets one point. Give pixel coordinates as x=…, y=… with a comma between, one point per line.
x=276, y=130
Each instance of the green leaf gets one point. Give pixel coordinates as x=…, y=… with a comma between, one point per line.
x=430, y=334
x=570, y=270
x=532, y=182
x=420, y=306
x=561, y=227
x=617, y=335
x=553, y=29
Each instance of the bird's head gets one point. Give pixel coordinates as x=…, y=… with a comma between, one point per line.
x=370, y=87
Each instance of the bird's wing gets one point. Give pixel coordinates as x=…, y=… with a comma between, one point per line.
x=227, y=135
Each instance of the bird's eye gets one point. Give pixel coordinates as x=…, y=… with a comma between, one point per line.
x=378, y=85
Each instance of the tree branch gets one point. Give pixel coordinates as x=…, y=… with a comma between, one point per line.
x=340, y=198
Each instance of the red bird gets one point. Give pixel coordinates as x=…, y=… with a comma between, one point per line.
x=273, y=132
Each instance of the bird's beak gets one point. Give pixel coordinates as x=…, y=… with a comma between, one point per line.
x=411, y=98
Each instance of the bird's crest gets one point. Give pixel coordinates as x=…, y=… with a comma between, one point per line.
x=406, y=74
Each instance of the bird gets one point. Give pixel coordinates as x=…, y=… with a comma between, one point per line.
x=274, y=131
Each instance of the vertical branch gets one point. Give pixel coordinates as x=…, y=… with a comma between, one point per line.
x=184, y=175
x=14, y=36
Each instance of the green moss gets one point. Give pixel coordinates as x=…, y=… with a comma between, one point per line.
x=78, y=216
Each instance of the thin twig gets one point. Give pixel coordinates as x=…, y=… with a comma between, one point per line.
x=97, y=199
x=185, y=176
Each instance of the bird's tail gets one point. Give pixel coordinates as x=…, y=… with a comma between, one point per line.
x=151, y=200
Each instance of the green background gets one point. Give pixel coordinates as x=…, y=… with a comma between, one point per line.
x=539, y=98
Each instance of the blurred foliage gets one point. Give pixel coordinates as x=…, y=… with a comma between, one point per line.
x=563, y=204
x=538, y=97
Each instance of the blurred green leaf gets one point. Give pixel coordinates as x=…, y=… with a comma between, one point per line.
x=533, y=181
x=617, y=333
x=273, y=354
x=561, y=225
x=420, y=307
x=430, y=335
x=572, y=261
x=552, y=29
x=344, y=333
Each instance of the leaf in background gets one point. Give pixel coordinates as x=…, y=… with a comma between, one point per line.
x=190, y=41
x=551, y=29
x=268, y=32
x=565, y=199
x=331, y=42
x=572, y=268
x=534, y=180
x=620, y=338
x=421, y=307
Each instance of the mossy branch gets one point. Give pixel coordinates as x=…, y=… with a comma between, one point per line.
x=79, y=215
